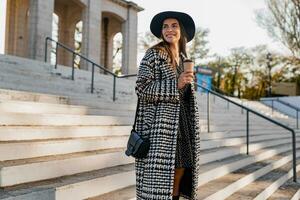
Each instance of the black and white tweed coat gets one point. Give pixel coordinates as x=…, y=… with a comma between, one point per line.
x=158, y=119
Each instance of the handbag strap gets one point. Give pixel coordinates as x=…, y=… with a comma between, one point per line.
x=136, y=113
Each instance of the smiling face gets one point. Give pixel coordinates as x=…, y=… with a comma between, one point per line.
x=171, y=31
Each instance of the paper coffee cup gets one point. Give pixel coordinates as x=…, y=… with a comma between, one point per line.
x=188, y=65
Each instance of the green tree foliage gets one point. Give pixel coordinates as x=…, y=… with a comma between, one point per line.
x=78, y=43
x=244, y=73
x=147, y=40
x=240, y=60
x=197, y=49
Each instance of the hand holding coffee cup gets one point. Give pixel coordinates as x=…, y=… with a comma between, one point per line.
x=188, y=65
x=187, y=76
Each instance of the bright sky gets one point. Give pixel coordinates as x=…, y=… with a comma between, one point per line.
x=231, y=22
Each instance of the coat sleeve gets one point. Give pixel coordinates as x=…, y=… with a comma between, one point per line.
x=150, y=87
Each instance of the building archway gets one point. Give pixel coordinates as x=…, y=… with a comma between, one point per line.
x=117, y=53
x=70, y=14
x=111, y=25
x=29, y=22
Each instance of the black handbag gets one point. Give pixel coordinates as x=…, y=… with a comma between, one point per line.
x=137, y=146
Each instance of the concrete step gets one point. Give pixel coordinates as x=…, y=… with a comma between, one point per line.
x=259, y=105
x=12, y=150
x=232, y=120
x=26, y=107
x=22, y=63
x=220, y=167
x=58, y=87
x=37, y=148
x=266, y=185
x=225, y=186
x=19, y=133
x=216, y=111
x=237, y=111
x=236, y=127
x=210, y=171
x=81, y=99
x=16, y=172
x=127, y=193
x=103, y=103
x=40, y=108
x=75, y=187
x=242, y=133
x=256, y=105
x=81, y=76
x=16, y=95
x=29, y=96
x=210, y=155
x=66, y=164
x=34, y=84
x=25, y=119
x=222, y=142
x=287, y=191
x=77, y=99
x=24, y=133
x=44, y=71
x=46, y=108
x=13, y=119
x=50, y=108
x=101, y=81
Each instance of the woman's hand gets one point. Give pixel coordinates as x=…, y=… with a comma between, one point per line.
x=185, y=78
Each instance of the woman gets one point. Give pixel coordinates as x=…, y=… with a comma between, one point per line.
x=168, y=113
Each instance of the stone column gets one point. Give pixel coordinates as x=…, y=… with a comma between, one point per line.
x=40, y=26
x=129, y=31
x=10, y=31
x=66, y=37
x=91, y=33
x=17, y=28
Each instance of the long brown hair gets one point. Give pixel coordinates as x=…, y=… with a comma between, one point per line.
x=164, y=46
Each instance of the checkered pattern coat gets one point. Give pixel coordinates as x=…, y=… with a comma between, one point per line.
x=158, y=119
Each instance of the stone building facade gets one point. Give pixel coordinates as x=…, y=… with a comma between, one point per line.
x=29, y=22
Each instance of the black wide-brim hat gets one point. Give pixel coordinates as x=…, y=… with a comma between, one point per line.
x=186, y=20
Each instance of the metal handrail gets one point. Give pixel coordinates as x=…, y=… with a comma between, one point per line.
x=286, y=104
x=249, y=110
x=58, y=44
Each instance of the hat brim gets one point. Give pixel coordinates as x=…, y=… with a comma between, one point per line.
x=185, y=19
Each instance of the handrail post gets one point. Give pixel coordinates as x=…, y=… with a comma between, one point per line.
x=114, y=89
x=56, y=53
x=297, y=119
x=208, y=111
x=73, y=63
x=294, y=156
x=247, y=131
x=242, y=110
x=46, y=49
x=92, y=84
x=227, y=105
x=272, y=106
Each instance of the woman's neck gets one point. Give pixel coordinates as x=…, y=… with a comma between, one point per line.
x=175, y=51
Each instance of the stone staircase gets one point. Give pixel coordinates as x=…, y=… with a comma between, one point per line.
x=58, y=141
